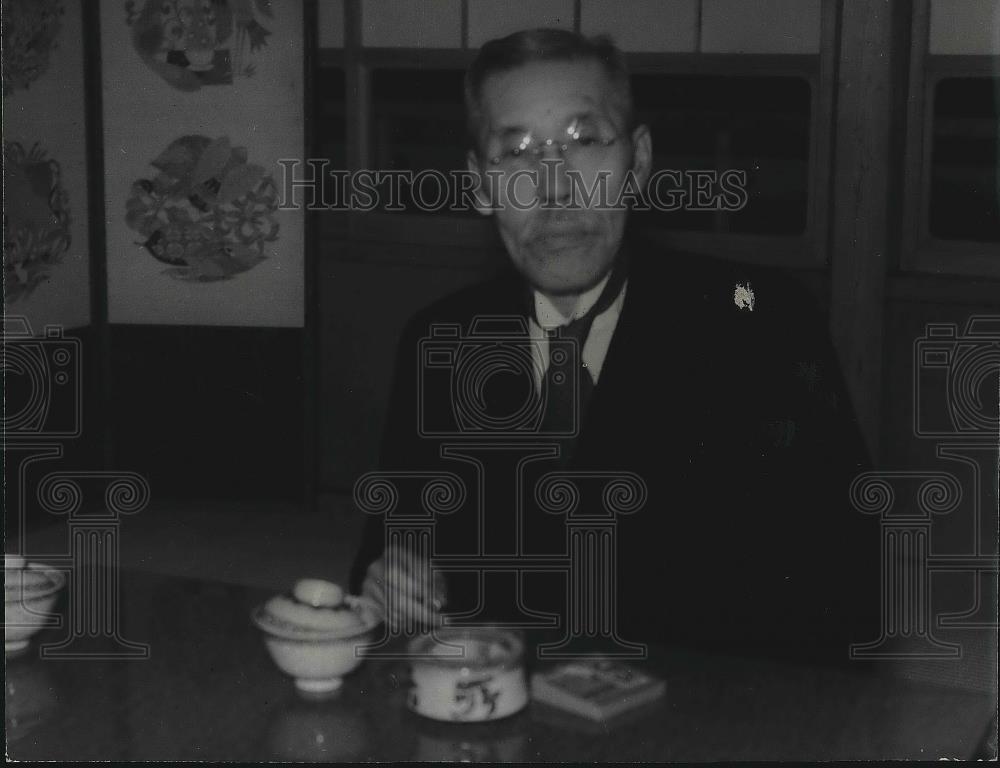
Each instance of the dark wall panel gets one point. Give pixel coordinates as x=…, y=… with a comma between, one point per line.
x=364, y=309
x=214, y=412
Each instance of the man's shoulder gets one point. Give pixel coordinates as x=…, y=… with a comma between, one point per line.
x=497, y=295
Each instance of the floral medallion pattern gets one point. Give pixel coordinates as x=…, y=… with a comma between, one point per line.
x=207, y=213
x=194, y=43
x=36, y=219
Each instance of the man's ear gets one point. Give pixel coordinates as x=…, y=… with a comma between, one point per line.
x=642, y=154
x=484, y=205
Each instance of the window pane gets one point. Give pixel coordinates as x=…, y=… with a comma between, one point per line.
x=759, y=125
x=755, y=124
x=418, y=124
x=331, y=135
x=963, y=177
x=331, y=129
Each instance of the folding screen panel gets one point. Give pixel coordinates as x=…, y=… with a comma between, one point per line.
x=45, y=251
x=202, y=98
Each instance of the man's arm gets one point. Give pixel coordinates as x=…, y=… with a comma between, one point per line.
x=399, y=445
x=397, y=582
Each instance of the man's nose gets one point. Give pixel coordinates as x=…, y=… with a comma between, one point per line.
x=554, y=187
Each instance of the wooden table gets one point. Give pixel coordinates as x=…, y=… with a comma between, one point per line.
x=209, y=691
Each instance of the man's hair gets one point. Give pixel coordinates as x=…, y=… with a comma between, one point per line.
x=537, y=45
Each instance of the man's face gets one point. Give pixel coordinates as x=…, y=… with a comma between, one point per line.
x=559, y=250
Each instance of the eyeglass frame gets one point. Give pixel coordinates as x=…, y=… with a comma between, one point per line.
x=536, y=150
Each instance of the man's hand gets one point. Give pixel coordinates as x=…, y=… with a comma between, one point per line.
x=403, y=587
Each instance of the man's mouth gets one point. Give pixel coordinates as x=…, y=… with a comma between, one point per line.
x=561, y=238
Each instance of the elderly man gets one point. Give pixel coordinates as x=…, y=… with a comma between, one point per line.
x=713, y=383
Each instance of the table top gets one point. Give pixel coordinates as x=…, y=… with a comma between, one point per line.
x=209, y=691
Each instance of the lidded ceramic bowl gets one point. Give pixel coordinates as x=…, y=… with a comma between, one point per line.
x=316, y=634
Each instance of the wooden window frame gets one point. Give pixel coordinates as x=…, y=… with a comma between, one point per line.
x=921, y=252
x=458, y=235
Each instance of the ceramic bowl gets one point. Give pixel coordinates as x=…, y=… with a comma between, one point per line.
x=467, y=675
x=30, y=594
x=317, y=657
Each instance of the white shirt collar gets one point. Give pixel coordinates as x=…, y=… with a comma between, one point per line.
x=595, y=349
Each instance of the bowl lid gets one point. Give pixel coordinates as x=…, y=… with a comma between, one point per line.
x=35, y=580
x=282, y=616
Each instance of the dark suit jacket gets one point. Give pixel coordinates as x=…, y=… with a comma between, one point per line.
x=739, y=424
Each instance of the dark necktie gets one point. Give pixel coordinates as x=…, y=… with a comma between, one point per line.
x=568, y=385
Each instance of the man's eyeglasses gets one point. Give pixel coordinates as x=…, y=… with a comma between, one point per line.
x=580, y=144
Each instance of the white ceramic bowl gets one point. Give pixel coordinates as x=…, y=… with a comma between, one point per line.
x=317, y=658
x=30, y=594
x=468, y=675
